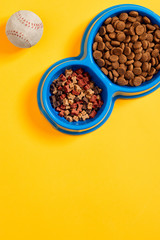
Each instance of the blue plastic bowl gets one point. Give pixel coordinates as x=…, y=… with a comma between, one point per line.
x=85, y=60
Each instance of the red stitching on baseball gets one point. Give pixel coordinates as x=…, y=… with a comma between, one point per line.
x=19, y=35
x=28, y=24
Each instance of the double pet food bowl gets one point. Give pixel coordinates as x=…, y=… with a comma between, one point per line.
x=111, y=91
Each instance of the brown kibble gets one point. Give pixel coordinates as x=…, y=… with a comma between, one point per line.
x=143, y=36
x=115, y=65
x=130, y=67
x=149, y=37
x=104, y=70
x=122, y=46
x=138, y=56
x=108, y=62
x=109, y=68
x=137, y=45
x=157, y=60
x=122, y=58
x=149, y=67
x=101, y=46
x=143, y=78
x=146, y=20
x=139, y=30
x=138, y=50
x=151, y=27
x=157, y=33
x=153, y=61
x=129, y=75
x=110, y=75
x=100, y=62
x=157, y=40
x=132, y=19
x=156, y=26
x=113, y=58
x=115, y=79
x=131, y=56
x=128, y=39
x=128, y=25
x=144, y=74
x=149, y=78
x=131, y=82
x=115, y=24
x=122, y=65
x=150, y=31
x=155, y=53
x=107, y=38
x=115, y=43
x=130, y=45
x=109, y=28
x=107, y=21
x=137, y=64
x=121, y=70
x=133, y=14
x=151, y=45
x=134, y=38
x=137, y=71
x=98, y=38
x=120, y=25
x=149, y=50
x=97, y=54
x=117, y=51
x=112, y=35
x=127, y=51
x=135, y=24
x=139, y=19
x=152, y=71
x=157, y=46
x=129, y=62
x=131, y=31
x=123, y=16
x=102, y=31
x=137, y=81
x=94, y=46
x=122, y=81
x=107, y=55
x=121, y=36
x=108, y=45
x=114, y=19
x=158, y=67
x=115, y=73
x=144, y=44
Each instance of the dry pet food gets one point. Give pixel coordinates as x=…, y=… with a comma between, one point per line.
x=75, y=96
x=126, y=48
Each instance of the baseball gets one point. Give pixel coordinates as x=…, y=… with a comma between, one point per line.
x=24, y=29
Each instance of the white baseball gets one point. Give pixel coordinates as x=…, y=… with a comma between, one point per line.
x=24, y=29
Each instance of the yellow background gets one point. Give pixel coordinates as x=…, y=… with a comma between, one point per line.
x=103, y=185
